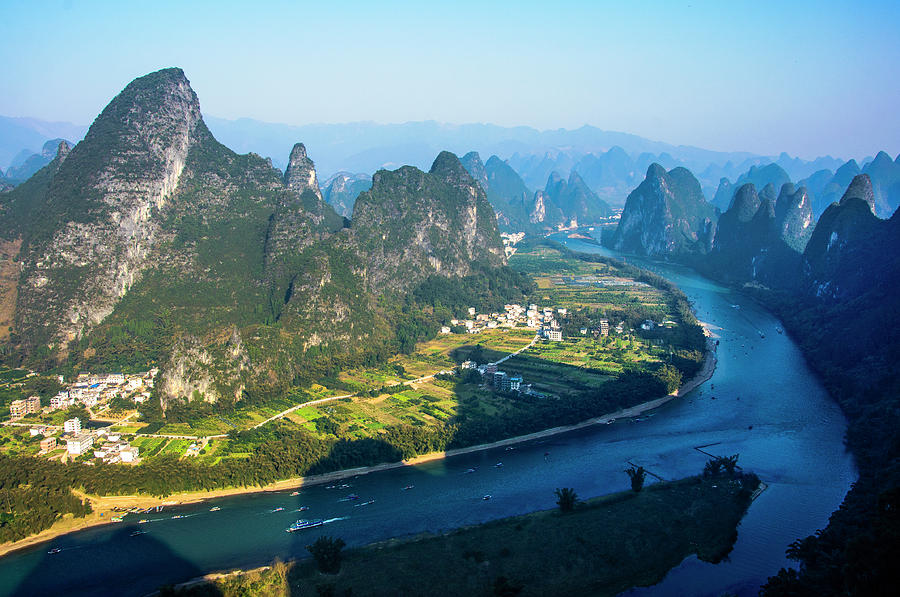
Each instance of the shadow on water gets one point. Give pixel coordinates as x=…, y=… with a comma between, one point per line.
x=119, y=563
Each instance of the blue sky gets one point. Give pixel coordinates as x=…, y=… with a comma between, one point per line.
x=809, y=78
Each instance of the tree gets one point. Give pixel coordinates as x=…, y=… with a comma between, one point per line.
x=326, y=551
x=637, y=476
x=566, y=499
x=721, y=466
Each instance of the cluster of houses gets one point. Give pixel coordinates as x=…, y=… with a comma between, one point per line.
x=542, y=320
x=110, y=446
x=91, y=390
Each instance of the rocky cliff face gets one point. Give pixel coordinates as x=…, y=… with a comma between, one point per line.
x=97, y=232
x=300, y=174
x=342, y=189
x=851, y=249
x=411, y=224
x=578, y=204
x=759, y=238
x=666, y=215
x=505, y=191
x=794, y=216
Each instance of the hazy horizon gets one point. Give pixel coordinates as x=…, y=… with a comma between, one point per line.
x=809, y=79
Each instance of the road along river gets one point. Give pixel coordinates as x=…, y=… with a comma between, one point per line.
x=763, y=402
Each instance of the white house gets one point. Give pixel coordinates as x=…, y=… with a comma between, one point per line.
x=79, y=443
x=72, y=425
x=554, y=335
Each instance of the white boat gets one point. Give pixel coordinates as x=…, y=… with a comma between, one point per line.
x=215, y=509
x=487, y=497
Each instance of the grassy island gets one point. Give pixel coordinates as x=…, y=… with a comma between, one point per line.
x=604, y=546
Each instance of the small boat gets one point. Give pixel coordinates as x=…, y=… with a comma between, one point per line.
x=116, y=519
x=508, y=448
x=215, y=509
x=54, y=550
x=352, y=496
x=408, y=487
x=136, y=533
x=293, y=493
x=143, y=520
x=344, y=486
x=304, y=524
x=471, y=470
x=363, y=503
x=278, y=509
x=177, y=516
x=761, y=335
x=302, y=508
x=499, y=464
x=487, y=497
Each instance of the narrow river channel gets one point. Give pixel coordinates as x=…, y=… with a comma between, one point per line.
x=763, y=403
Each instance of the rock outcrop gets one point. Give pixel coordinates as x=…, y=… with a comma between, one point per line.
x=666, y=215
x=851, y=249
x=342, y=189
x=412, y=224
x=97, y=233
x=300, y=174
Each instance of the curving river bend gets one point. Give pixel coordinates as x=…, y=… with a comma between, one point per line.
x=763, y=402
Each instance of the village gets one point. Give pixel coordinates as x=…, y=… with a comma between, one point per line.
x=546, y=323
x=110, y=399
x=93, y=392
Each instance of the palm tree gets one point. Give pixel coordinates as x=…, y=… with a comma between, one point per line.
x=637, y=476
x=566, y=499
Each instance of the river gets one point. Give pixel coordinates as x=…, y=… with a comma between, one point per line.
x=763, y=403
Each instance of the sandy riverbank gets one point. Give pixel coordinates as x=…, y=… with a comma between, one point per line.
x=103, y=505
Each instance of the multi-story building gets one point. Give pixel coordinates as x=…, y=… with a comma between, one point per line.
x=72, y=426
x=554, y=335
x=17, y=409
x=33, y=404
x=604, y=327
x=48, y=444
x=501, y=381
x=79, y=443
x=515, y=383
x=60, y=401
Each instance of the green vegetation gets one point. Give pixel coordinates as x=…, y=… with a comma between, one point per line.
x=602, y=547
x=566, y=499
x=636, y=475
x=326, y=551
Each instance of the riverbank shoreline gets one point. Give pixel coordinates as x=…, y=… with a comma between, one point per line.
x=103, y=505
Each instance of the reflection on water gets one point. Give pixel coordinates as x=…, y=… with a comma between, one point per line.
x=762, y=403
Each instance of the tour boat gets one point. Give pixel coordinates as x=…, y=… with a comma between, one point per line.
x=293, y=493
x=55, y=550
x=408, y=487
x=279, y=509
x=215, y=509
x=304, y=524
x=302, y=508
